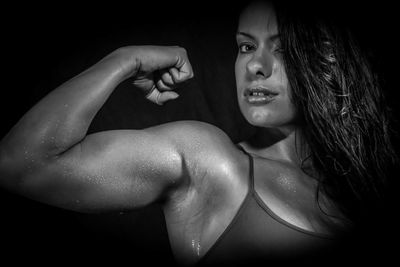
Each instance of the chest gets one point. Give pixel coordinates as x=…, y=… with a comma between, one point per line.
x=203, y=215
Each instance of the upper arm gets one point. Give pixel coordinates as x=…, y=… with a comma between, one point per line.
x=110, y=170
x=122, y=169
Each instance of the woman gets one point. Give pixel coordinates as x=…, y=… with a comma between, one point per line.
x=289, y=191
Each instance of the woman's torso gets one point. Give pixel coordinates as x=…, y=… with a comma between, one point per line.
x=243, y=206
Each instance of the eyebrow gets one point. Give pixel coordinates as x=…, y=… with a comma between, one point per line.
x=248, y=35
x=273, y=37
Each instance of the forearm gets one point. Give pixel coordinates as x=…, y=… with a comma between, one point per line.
x=61, y=119
x=49, y=142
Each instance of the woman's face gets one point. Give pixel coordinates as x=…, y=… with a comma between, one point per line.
x=262, y=85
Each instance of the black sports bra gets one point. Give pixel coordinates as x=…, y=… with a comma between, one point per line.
x=257, y=234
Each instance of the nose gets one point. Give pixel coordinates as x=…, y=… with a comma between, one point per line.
x=260, y=65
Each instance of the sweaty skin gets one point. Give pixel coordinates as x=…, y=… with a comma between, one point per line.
x=200, y=176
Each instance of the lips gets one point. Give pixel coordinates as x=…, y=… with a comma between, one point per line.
x=259, y=95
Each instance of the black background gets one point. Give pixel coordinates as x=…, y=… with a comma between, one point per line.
x=43, y=46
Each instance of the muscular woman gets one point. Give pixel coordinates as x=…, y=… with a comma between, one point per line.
x=277, y=196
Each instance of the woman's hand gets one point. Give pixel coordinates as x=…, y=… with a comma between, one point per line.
x=157, y=70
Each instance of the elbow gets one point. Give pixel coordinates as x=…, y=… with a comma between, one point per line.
x=9, y=172
x=15, y=168
x=23, y=158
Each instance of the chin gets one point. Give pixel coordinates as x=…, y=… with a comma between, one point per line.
x=259, y=113
x=267, y=117
x=260, y=117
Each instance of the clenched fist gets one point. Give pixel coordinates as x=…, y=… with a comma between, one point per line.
x=156, y=69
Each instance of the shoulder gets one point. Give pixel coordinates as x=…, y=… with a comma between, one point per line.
x=196, y=137
x=188, y=129
x=209, y=157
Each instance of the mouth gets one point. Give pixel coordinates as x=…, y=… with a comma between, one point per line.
x=259, y=95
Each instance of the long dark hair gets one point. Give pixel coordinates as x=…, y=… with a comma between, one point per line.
x=345, y=119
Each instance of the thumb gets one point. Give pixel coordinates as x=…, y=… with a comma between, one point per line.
x=160, y=98
x=166, y=96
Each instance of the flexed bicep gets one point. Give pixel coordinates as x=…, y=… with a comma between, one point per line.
x=48, y=155
x=113, y=170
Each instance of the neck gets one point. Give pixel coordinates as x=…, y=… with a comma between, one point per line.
x=283, y=144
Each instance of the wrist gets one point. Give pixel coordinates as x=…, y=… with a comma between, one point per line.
x=127, y=62
x=120, y=64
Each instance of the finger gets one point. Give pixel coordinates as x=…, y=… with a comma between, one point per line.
x=162, y=86
x=167, y=78
x=154, y=96
x=159, y=98
x=186, y=71
x=183, y=69
x=182, y=74
x=175, y=75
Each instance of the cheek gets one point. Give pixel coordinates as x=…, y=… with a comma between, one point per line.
x=287, y=110
x=282, y=81
x=281, y=77
x=239, y=71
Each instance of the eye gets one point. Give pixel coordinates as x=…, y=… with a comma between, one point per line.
x=246, y=47
x=278, y=49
